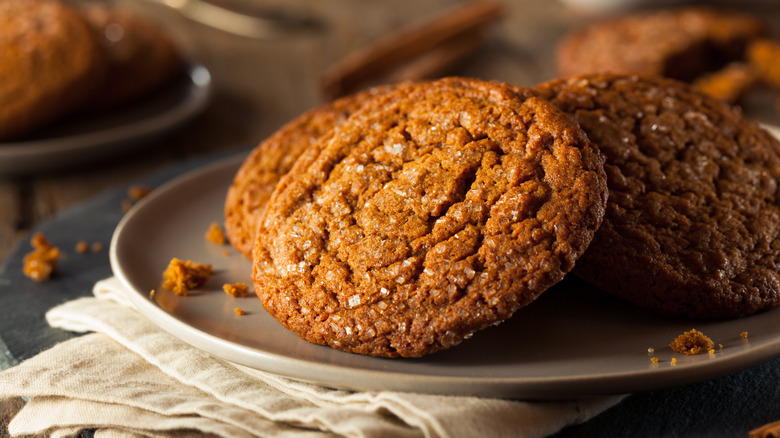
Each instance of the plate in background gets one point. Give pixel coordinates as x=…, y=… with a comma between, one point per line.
x=91, y=137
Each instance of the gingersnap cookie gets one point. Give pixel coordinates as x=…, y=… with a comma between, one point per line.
x=692, y=223
x=273, y=157
x=141, y=56
x=50, y=63
x=676, y=43
x=434, y=211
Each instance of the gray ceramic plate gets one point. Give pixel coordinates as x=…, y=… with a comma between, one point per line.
x=96, y=136
x=572, y=342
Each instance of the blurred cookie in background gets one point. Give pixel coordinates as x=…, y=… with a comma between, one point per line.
x=140, y=55
x=50, y=64
x=703, y=45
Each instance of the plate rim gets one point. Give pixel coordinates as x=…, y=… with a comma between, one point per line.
x=356, y=378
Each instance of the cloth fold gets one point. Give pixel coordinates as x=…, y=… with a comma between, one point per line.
x=131, y=378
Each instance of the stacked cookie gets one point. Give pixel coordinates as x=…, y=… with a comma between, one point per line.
x=56, y=60
x=692, y=226
x=403, y=219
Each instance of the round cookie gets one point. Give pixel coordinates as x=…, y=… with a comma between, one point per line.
x=264, y=166
x=434, y=211
x=677, y=43
x=50, y=63
x=692, y=226
x=141, y=56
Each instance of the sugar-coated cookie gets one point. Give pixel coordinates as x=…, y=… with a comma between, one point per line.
x=273, y=157
x=692, y=226
x=434, y=211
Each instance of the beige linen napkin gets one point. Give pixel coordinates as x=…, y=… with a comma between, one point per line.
x=130, y=378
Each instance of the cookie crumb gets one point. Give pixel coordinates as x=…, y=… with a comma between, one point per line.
x=182, y=276
x=239, y=312
x=82, y=247
x=236, y=290
x=152, y=293
x=215, y=234
x=40, y=263
x=674, y=361
x=137, y=192
x=654, y=359
x=651, y=350
x=743, y=335
x=691, y=342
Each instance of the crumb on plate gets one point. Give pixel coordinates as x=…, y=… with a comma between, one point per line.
x=182, y=276
x=692, y=342
x=215, y=234
x=236, y=290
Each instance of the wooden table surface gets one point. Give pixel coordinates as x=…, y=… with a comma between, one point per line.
x=260, y=84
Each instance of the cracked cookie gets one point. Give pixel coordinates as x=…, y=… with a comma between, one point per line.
x=273, y=157
x=434, y=211
x=692, y=226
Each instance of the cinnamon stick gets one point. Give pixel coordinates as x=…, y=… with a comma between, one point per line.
x=451, y=33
